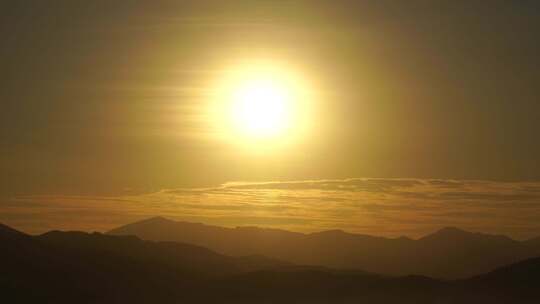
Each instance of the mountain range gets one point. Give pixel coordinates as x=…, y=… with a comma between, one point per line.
x=449, y=253
x=79, y=267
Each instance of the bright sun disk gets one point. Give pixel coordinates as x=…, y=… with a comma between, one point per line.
x=261, y=108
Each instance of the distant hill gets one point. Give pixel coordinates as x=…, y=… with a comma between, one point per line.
x=449, y=253
x=515, y=283
x=77, y=267
x=56, y=266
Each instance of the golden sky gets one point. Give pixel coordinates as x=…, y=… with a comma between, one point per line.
x=107, y=104
x=387, y=207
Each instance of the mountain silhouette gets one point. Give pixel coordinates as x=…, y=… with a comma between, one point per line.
x=57, y=266
x=8, y=232
x=449, y=253
x=173, y=255
x=79, y=267
x=514, y=283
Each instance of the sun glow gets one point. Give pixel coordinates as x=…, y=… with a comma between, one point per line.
x=261, y=108
x=261, y=102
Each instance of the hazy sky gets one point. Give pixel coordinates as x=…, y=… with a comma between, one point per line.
x=388, y=207
x=109, y=98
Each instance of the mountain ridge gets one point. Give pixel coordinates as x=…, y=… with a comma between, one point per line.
x=470, y=253
x=443, y=230
x=67, y=267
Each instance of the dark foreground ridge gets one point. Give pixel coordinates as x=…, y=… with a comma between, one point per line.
x=449, y=253
x=78, y=267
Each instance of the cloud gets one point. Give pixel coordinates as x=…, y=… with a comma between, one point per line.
x=379, y=206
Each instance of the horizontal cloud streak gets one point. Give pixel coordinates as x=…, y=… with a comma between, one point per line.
x=390, y=207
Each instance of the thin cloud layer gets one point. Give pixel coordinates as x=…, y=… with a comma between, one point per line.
x=389, y=207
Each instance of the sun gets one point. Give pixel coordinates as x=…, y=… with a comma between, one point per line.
x=261, y=107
